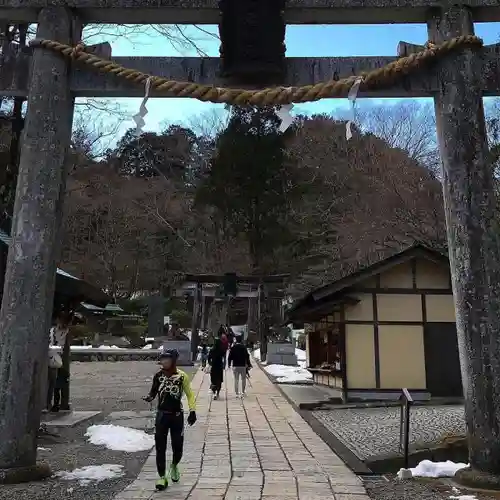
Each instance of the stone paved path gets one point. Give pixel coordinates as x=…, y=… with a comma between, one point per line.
x=256, y=449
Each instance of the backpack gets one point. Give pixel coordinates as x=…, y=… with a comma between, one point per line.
x=224, y=341
x=55, y=360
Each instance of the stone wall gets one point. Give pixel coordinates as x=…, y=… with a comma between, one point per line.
x=184, y=349
x=87, y=355
x=281, y=354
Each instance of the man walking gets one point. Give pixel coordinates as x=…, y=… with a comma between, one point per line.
x=169, y=384
x=240, y=359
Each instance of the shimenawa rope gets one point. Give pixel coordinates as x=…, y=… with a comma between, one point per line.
x=378, y=78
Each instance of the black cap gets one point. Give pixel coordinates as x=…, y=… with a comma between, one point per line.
x=169, y=353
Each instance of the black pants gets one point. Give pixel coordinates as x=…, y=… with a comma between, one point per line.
x=58, y=378
x=51, y=387
x=165, y=422
x=216, y=378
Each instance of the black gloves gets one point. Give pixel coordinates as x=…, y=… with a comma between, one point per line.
x=191, y=418
x=148, y=399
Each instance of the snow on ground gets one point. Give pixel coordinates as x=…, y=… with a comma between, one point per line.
x=117, y=438
x=426, y=468
x=92, y=473
x=289, y=374
x=147, y=347
x=85, y=347
x=301, y=354
x=301, y=357
x=457, y=495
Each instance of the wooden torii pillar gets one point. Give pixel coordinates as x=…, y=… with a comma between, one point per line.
x=473, y=239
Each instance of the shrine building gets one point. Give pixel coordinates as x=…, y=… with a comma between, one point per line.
x=389, y=326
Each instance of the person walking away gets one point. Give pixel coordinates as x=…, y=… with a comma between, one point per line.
x=224, y=343
x=216, y=359
x=57, y=376
x=204, y=355
x=169, y=384
x=240, y=359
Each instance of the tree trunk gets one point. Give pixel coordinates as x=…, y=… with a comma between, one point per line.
x=472, y=237
x=156, y=313
x=66, y=366
x=252, y=320
x=196, y=320
x=30, y=280
x=263, y=321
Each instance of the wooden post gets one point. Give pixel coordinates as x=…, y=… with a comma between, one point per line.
x=473, y=238
x=263, y=323
x=30, y=278
x=203, y=324
x=3, y=266
x=196, y=319
x=156, y=313
x=66, y=360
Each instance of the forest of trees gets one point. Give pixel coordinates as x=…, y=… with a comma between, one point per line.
x=247, y=198
x=231, y=193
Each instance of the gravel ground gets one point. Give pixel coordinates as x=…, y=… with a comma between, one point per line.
x=393, y=489
x=105, y=386
x=369, y=432
x=70, y=451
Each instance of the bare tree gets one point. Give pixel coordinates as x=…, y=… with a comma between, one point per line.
x=408, y=125
x=210, y=123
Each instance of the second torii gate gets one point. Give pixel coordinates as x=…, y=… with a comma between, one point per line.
x=257, y=298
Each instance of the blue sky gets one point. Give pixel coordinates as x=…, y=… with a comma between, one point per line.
x=301, y=41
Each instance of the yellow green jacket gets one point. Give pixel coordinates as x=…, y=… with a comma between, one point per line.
x=170, y=390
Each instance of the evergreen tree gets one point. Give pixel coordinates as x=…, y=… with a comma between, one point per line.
x=251, y=183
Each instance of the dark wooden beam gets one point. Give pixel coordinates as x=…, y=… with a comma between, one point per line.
x=207, y=11
x=219, y=278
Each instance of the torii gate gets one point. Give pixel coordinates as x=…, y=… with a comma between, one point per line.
x=458, y=71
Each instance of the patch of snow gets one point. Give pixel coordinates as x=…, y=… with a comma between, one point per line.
x=298, y=332
x=289, y=374
x=426, y=468
x=458, y=496
x=43, y=449
x=147, y=346
x=117, y=438
x=85, y=347
x=92, y=473
x=301, y=357
x=301, y=354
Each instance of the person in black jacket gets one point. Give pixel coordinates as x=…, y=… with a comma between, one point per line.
x=216, y=360
x=240, y=359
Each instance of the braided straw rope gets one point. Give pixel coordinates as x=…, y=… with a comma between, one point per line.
x=378, y=78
